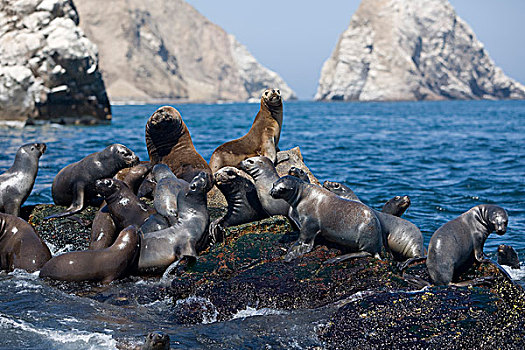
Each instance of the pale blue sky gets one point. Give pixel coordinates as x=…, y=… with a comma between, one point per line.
x=295, y=37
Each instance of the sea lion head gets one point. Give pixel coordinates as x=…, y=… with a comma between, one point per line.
x=400, y=202
x=201, y=183
x=285, y=187
x=508, y=256
x=106, y=187
x=498, y=219
x=163, y=130
x=255, y=165
x=333, y=186
x=271, y=98
x=33, y=149
x=225, y=175
x=156, y=341
x=124, y=154
x=298, y=172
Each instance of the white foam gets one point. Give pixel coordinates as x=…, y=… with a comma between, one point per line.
x=13, y=123
x=93, y=340
x=250, y=312
x=515, y=274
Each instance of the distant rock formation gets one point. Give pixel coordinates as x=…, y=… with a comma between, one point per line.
x=48, y=68
x=411, y=50
x=165, y=49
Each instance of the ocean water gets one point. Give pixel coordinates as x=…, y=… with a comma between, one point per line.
x=447, y=156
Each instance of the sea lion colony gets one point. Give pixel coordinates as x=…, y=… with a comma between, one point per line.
x=130, y=237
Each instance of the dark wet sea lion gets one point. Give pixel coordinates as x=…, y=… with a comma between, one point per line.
x=396, y=206
x=341, y=190
x=456, y=245
x=17, y=182
x=508, y=256
x=20, y=246
x=243, y=203
x=167, y=189
x=261, y=140
x=104, y=265
x=156, y=341
x=161, y=248
x=300, y=173
x=321, y=212
x=263, y=172
x=103, y=228
x=169, y=142
x=74, y=185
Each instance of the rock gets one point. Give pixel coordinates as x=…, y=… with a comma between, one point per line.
x=48, y=68
x=411, y=50
x=144, y=43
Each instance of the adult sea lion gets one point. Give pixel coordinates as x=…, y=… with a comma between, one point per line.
x=17, y=182
x=104, y=265
x=318, y=211
x=160, y=249
x=456, y=245
x=20, y=246
x=243, y=203
x=508, y=256
x=169, y=142
x=74, y=185
x=261, y=140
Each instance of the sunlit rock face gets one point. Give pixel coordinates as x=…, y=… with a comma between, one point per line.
x=161, y=50
x=411, y=50
x=48, y=67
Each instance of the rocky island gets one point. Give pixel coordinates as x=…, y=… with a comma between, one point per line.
x=411, y=50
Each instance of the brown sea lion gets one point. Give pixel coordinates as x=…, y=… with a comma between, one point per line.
x=20, y=246
x=456, y=245
x=261, y=140
x=17, y=182
x=318, y=211
x=74, y=185
x=104, y=265
x=169, y=142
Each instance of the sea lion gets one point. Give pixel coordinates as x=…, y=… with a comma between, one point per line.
x=243, y=203
x=341, y=190
x=403, y=239
x=261, y=140
x=508, y=256
x=156, y=341
x=74, y=185
x=161, y=248
x=456, y=245
x=319, y=211
x=167, y=189
x=103, y=228
x=20, y=246
x=300, y=173
x=17, y=182
x=263, y=172
x=169, y=142
x=104, y=265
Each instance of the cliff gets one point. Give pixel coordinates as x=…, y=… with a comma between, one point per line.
x=162, y=50
x=48, y=68
x=411, y=50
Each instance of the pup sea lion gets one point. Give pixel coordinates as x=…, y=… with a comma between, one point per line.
x=124, y=208
x=17, y=182
x=20, y=246
x=261, y=140
x=75, y=184
x=161, y=248
x=167, y=189
x=169, y=142
x=300, y=173
x=103, y=228
x=396, y=206
x=341, y=190
x=508, y=256
x=263, y=172
x=243, y=203
x=318, y=211
x=156, y=341
x=104, y=265
x=455, y=246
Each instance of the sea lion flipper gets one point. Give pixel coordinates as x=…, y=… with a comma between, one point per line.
x=77, y=204
x=345, y=257
x=299, y=248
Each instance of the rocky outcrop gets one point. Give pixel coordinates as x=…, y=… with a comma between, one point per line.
x=48, y=68
x=411, y=50
x=162, y=50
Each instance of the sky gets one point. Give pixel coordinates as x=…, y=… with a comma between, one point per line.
x=295, y=37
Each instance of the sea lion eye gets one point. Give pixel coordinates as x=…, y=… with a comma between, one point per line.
x=336, y=186
x=32, y=148
x=266, y=93
x=278, y=91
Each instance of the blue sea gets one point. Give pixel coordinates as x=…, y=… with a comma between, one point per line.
x=447, y=156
